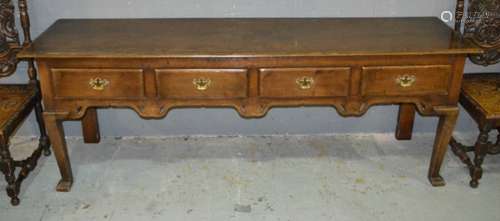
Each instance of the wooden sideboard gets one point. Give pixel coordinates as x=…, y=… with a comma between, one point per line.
x=251, y=65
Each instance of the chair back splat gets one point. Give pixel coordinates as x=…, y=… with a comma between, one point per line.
x=481, y=26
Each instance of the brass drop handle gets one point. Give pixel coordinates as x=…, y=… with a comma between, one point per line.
x=305, y=82
x=406, y=80
x=202, y=84
x=98, y=83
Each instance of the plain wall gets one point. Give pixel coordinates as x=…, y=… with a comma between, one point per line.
x=310, y=120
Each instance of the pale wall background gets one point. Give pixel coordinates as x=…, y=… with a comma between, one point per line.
x=226, y=121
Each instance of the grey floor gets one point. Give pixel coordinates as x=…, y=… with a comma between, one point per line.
x=338, y=177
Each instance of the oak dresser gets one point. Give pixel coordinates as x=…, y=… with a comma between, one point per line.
x=251, y=65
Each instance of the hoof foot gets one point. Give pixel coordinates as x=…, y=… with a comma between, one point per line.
x=14, y=201
x=474, y=183
x=437, y=181
x=64, y=186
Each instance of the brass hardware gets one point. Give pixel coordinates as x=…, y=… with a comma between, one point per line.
x=406, y=80
x=98, y=83
x=202, y=84
x=305, y=82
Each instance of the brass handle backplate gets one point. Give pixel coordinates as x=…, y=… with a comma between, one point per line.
x=98, y=83
x=406, y=80
x=202, y=84
x=305, y=82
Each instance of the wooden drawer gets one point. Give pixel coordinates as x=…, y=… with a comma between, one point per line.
x=304, y=82
x=97, y=83
x=406, y=80
x=202, y=83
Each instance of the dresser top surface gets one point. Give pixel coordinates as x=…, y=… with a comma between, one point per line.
x=246, y=37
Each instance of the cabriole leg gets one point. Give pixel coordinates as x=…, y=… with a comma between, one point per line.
x=447, y=120
x=56, y=134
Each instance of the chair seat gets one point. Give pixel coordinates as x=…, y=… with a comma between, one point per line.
x=483, y=92
x=16, y=102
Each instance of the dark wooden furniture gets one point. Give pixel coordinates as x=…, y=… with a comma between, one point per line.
x=481, y=98
x=17, y=101
x=251, y=65
x=481, y=92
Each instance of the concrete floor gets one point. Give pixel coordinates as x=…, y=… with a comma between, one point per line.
x=341, y=177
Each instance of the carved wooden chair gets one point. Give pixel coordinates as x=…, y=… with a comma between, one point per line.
x=480, y=92
x=16, y=100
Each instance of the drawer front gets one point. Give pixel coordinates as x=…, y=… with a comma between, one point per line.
x=304, y=82
x=202, y=83
x=98, y=83
x=406, y=80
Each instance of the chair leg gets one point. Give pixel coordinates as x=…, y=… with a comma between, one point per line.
x=8, y=165
x=480, y=150
x=498, y=136
x=460, y=151
x=495, y=149
x=44, y=138
x=8, y=168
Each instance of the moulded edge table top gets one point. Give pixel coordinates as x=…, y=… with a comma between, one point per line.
x=246, y=37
